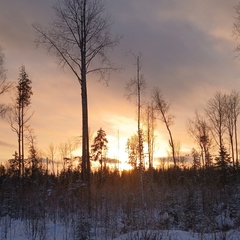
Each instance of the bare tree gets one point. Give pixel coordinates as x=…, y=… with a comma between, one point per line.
x=4, y=85
x=32, y=149
x=79, y=37
x=232, y=112
x=199, y=130
x=216, y=113
x=236, y=32
x=132, y=148
x=163, y=107
x=135, y=88
x=51, y=154
x=236, y=26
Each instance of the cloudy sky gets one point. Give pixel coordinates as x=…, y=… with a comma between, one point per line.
x=187, y=50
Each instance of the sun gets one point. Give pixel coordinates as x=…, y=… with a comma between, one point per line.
x=125, y=166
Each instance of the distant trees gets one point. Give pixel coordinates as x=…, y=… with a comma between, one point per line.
x=220, y=111
x=219, y=124
x=80, y=36
x=19, y=116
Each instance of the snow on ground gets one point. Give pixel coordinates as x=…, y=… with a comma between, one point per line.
x=178, y=235
x=19, y=230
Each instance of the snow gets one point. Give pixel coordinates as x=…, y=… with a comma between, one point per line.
x=19, y=230
x=179, y=235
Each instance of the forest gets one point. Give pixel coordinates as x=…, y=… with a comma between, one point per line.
x=193, y=195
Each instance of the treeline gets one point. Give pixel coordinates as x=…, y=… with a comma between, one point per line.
x=188, y=199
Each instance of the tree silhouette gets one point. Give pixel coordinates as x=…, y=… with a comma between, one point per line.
x=223, y=165
x=80, y=36
x=163, y=108
x=99, y=147
x=19, y=117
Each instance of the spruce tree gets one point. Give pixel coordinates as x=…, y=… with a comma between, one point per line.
x=99, y=147
x=223, y=165
x=19, y=113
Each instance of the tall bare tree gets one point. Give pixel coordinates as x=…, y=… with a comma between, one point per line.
x=163, y=108
x=79, y=37
x=135, y=88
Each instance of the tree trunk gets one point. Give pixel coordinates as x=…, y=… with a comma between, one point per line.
x=236, y=142
x=19, y=142
x=22, y=136
x=83, y=81
x=172, y=146
x=85, y=139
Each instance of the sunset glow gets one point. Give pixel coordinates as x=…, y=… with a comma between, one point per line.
x=188, y=67
x=119, y=119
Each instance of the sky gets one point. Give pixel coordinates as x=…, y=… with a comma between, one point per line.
x=187, y=50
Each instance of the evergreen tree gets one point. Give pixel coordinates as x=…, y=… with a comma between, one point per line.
x=223, y=165
x=14, y=164
x=19, y=116
x=196, y=159
x=23, y=100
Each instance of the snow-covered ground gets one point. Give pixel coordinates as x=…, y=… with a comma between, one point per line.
x=29, y=230
x=178, y=235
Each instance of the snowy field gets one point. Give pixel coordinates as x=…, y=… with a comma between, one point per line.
x=29, y=230
x=178, y=235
